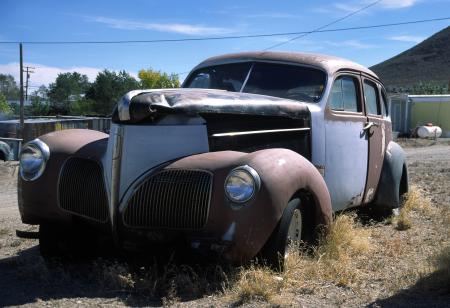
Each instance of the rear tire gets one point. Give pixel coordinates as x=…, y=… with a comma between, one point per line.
x=288, y=236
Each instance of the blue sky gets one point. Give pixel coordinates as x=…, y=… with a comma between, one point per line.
x=140, y=20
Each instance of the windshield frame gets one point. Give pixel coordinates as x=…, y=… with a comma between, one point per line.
x=253, y=62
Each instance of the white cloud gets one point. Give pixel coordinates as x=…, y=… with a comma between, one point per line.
x=356, y=5
x=397, y=4
x=46, y=74
x=161, y=27
x=407, y=38
x=351, y=43
x=271, y=15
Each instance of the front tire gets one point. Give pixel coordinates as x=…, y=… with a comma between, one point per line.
x=288, y=236
x=59, y=241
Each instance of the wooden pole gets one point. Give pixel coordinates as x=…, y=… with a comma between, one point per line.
x=21, y=94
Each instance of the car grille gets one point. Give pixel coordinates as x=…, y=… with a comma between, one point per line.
x=82, y=190
x=172, y=199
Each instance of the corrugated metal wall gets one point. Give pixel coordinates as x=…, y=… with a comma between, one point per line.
x=34, y=128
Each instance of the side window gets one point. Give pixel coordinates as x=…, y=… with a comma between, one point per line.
x=344, y=94
x=385, y=101
x=371, y=98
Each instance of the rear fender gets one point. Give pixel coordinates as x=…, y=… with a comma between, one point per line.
x=394, y=168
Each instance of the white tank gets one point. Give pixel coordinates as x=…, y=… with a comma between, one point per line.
x=429, y=131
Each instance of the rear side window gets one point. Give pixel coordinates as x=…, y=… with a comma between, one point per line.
x=385, y=102
x=344, y=94
x=371, y=98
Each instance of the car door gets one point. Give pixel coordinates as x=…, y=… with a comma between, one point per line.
x=375, y=130
x=346, y=145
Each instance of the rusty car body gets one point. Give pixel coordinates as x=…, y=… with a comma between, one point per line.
x=253, y=154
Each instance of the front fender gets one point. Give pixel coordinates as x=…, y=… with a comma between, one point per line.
x=282, y=172
x=38, y=198
x=5, y=151
x=394, y=167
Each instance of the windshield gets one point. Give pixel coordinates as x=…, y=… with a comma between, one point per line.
x=280, y=80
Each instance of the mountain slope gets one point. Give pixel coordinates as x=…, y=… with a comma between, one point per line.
x=427, y=62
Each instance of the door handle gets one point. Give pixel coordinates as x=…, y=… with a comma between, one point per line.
x=369, y=125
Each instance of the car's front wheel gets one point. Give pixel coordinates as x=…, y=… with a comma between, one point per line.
x=59, y=241
x=288, y=235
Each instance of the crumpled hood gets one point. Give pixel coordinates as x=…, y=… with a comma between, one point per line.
x=137, y=106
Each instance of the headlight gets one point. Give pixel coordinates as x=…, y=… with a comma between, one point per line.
x=242, y=184
x=33, y=158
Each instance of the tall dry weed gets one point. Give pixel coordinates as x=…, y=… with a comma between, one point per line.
x=332, y=261
x=412, y=201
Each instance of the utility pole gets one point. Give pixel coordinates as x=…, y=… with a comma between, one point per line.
x=21, y=93
x=28, y=70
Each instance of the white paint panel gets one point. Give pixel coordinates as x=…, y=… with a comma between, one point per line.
x=346, y=162
x=145, y=147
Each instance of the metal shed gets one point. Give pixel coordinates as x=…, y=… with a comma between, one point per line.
x=409, y=111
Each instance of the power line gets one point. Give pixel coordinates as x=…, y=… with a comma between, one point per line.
x=325, y=26
x=228, y=37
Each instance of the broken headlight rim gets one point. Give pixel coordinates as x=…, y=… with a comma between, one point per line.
x=242, y=184
x=33, y=159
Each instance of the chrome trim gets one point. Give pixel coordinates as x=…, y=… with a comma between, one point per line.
x=115, y=172
x=58, y=199
x=45, y=150
x=123, y=106
x=174, y=190
x=254, y=132
x=256, y=183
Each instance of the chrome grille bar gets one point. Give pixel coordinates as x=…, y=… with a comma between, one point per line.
x=81, y=190
x=171, y=199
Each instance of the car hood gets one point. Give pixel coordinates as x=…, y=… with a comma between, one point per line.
x=149, y=105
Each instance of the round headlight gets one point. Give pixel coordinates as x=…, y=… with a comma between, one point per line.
x=33, y=157
x=241, y=184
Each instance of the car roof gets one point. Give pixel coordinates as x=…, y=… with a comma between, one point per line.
x=330, y=64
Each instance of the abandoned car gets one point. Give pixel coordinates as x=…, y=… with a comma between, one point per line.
x=248, y=158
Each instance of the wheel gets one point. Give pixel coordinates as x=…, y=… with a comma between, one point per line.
x=59, y=241
x=51, y=240
x=288, y=235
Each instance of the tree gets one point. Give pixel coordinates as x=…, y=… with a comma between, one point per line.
x=5, y=109
x=8, y=87
x=429, y=88
x=151, y=79
x=83, y=107
x=68, y=87
x=39, y=102
x=108, y=88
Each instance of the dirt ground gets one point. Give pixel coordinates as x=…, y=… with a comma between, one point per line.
x=398, y=273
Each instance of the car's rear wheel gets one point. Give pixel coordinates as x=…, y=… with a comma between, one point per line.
x=288, y=236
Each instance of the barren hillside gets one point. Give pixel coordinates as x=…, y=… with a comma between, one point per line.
x=426, y=62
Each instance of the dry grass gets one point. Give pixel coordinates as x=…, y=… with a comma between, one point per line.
x=4, y=232
x=331, y=262
x=351, y=256
x=257, y=283
x=413, y=200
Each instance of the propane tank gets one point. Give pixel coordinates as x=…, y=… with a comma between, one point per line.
x=429, y=131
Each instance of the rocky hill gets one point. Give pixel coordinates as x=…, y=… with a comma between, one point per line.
x=427, y=62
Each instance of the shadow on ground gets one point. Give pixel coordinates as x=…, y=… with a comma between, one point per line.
x=27, y=278
x=429, y=291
